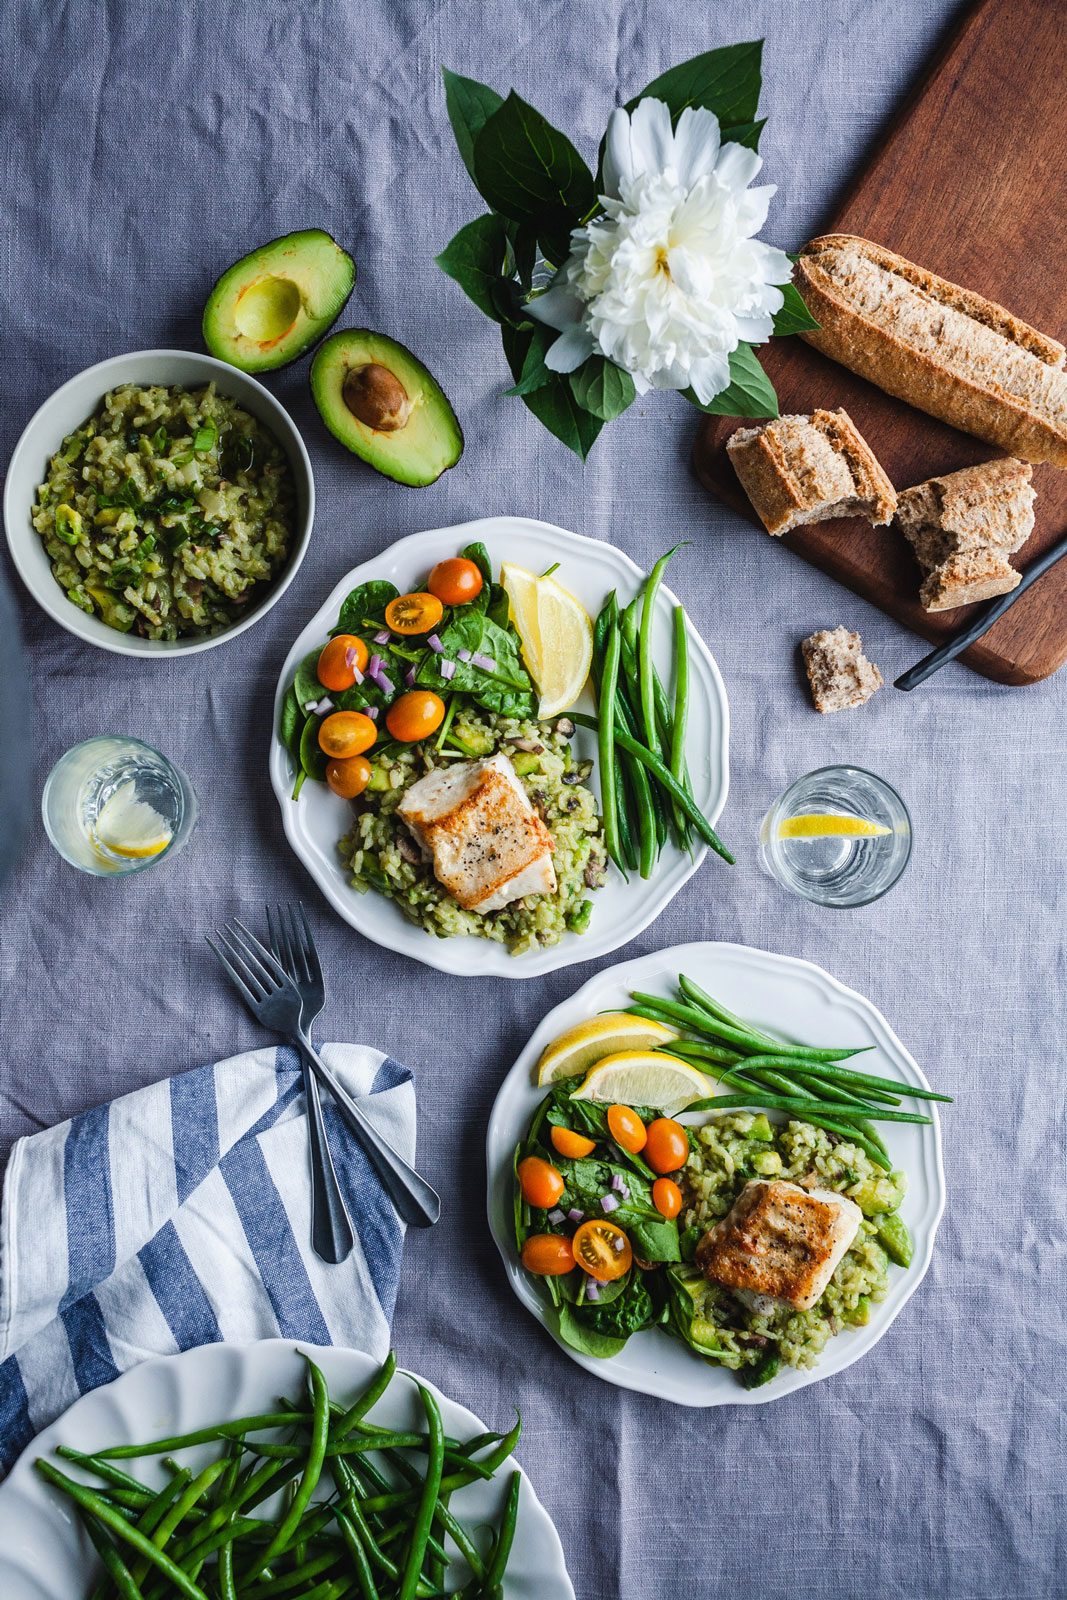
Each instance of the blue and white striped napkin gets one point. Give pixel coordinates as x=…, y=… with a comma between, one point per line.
x=180, y=1215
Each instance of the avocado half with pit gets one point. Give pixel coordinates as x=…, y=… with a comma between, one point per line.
x=272, y=305
x=385, y=406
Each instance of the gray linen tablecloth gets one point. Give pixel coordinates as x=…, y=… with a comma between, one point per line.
x=144, y=148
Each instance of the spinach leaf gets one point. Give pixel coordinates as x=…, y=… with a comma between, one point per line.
x=366, y=603
x=627, y=1314
x=291, y=724
x=498, y=607
x=655, y=1240
x=308, y=689
x=477, y=553
x=505, y=648
x=575, y=1331
x=368, y=693
x=312, y=758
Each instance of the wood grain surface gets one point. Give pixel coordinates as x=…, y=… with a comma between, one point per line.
x=971, y=182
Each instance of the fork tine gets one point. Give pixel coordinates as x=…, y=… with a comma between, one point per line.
x=238, y=982
x=259, y=989
x=256, y=951
x=300, y=945
x=311, y=955
x=285, y=953
x=271, y=937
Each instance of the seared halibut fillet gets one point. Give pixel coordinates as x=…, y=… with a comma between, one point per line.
x=780, y=1244
x=475, y=822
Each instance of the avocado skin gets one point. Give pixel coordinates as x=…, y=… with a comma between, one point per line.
x=222, y=338
x=430, y=442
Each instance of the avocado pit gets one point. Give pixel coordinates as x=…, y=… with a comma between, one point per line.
x=376, y=397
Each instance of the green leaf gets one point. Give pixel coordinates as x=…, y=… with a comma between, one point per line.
x=306, y=686
x=726, y=81
x=313, y=758
x=470, y=105
x=366, y=604
x=291, y=725
x=534, y=374
x=554, y=405
x=750, y=392
x=477, y=553
x=531, y=172
x=602, y=388
x=475, y=258
x=574, y=1332
x=746, y=133
x=794, y=317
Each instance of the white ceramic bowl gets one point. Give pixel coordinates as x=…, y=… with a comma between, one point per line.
x=66, y=410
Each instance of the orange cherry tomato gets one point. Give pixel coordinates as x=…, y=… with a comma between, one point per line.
x=540, y=1183
x=602, y=1249
x=548, y=1254
x=666, y=1197
x=348, y=778
x=415, y=715
x=626, y=1128
x=572, y=1144
x=346, y=733
x=333, y=670
x=414, y=613
x=457, y=582
x=668, y=1145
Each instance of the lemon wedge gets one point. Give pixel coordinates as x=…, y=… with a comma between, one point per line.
x=582, y=1046
x=130, y=827
x=556, y=634
x=637, y=1078
x=815, y=825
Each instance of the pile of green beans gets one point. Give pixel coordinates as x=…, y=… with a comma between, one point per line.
x=362, y=1519
x=807, y=1081
x=645, y=789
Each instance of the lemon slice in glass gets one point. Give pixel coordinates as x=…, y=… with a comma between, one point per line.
x=637, y=1078
x=814, y=825
x=130, y=827
x=556, y=634
x=582, y=1046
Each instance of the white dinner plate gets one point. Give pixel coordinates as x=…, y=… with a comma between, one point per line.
x=785, y=997
x=621, y=910
x=46, y=1555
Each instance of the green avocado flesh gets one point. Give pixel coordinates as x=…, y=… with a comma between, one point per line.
x=272, y=305
x=416, y=437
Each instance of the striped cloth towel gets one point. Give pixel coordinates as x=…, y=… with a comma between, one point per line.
x=180, y=1215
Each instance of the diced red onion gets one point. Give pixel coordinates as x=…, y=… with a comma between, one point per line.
x=409, y=678
x=446, y=668
x=592, y=1290
x=575, y=1215
x=351, y=657
x=435, y=645
x=464, y=655
x=608, y=1202
x=618, y=1245
x=322, y=706
x=617, y=1182
x=371, y=712
x=556, y=1216
x=486, y=663
x=357, y=676
x=374, y=666
x=383, y=636
x=385, y=684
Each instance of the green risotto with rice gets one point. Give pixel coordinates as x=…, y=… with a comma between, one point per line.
x=167, y=512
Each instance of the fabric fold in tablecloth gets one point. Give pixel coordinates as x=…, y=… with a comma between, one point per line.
x=180, y=1215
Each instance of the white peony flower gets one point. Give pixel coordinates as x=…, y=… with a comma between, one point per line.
x=672, y=278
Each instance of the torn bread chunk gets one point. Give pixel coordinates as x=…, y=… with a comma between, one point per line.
x=964, y=526
x=476, y=825
x=800, y=469
x=779, y=1244
x=839, y=673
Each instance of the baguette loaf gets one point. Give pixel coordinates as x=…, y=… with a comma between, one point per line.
x=801, y=469
x=964, y=526
x=943, y=349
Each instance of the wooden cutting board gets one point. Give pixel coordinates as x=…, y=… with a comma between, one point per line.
x=971, y=182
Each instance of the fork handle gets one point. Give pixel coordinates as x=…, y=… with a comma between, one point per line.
x=415, y=1201
x=331, y=1227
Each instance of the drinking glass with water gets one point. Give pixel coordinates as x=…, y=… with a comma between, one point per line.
x=839, y=836
x=114, y=805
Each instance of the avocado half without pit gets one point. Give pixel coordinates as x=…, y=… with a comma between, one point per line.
x=274, y=304
x=385, y=406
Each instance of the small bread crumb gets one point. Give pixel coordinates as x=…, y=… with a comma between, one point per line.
x=839, y=673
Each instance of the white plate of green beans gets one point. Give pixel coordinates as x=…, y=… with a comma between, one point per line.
x=276, y=1470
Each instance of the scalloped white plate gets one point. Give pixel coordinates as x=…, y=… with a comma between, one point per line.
x=589, y=569
x=786, y=997
x=44, y=1552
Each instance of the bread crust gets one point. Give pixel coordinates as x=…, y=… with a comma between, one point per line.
x=789, y=485
x=978, y=403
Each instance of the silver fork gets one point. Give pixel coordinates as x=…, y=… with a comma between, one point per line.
x=331, y=1226
x=272, y=997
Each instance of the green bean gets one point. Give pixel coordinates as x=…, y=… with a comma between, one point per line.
x=114, y=1566
x=644, y=649
x=648, y=830
x=117, y=1524
x=704, y=1001
x=448, y=1522
x=370, y=1397
x=865, y=1080
x=320, y=1431
x=502, y=1550
x=190, y=1494
x=628, y=711
x=691, y=1047
x=434, y=1463
x=681, y=705
x=745, y=1039
x=836, y=1108
x=103, y=1469
x=606, y=748
x=364, y=1575
x=295, y=1578
x=221, y=1430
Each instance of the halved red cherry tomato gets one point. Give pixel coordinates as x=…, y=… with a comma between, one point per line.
x=415, y=715
x=540, y=1182
x=346, y=733
x=333, y=670
x=666, y=1197
x=668, y=1145
x=348, y=778
x=457, y=581
x=626, y=1128
x=572, y=1144
x=602, y=1250
x=414, y=613
x=548, y=1254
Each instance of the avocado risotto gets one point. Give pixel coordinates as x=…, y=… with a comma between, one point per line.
x=166, y=511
